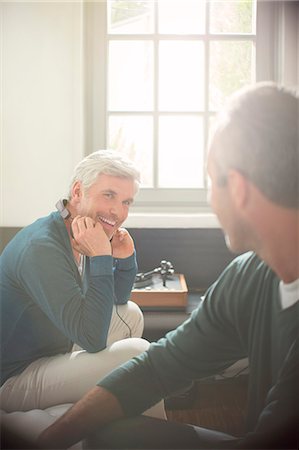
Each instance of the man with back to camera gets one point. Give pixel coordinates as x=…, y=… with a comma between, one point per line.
x=252, y=310
x=65, y=284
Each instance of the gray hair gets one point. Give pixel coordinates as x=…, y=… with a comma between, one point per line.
x=257, y=134
x=108, y=162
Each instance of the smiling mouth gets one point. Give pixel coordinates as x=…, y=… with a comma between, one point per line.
x=111, y=223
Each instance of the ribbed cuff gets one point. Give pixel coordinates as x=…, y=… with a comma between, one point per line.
x=127, y=263
x=101, y=265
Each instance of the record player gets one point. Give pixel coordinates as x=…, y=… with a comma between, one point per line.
x=160, y=288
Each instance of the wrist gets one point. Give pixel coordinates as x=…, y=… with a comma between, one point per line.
x=101, y=265
x=126, y=263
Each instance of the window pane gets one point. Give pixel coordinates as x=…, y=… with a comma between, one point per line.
x=134, y=136
x=130, y=76
x=181, y=152
x=181, y=16
x=181, y=76
x=232, y=16
x=231, y=67
x=129, y=17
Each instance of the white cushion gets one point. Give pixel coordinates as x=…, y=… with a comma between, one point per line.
x=30, y=424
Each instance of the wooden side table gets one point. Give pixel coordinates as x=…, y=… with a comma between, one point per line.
x=173, y=295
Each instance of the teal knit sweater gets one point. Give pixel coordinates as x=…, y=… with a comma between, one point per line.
x=45, y=304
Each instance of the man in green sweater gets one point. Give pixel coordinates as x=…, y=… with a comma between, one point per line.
x=65, y=284
x=252, y=310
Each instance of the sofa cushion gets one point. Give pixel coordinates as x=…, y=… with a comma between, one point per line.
x=25, y=426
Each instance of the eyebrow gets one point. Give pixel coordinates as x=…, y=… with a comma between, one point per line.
x=109, y=191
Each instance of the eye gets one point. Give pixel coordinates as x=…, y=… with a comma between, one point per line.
x=108, y=195
x=128, y=202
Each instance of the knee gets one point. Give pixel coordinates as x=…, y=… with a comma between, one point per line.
x=136, y=317
x=137, y=346
x=134, y=310
x=128, y=348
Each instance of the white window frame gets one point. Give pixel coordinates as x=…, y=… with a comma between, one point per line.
x=270, y=41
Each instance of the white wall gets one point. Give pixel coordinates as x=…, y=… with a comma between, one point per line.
x=288, y=70
x=42, y=103
x=41, y=106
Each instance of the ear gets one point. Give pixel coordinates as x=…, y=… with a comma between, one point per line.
x=77, y=191
x=239, y=188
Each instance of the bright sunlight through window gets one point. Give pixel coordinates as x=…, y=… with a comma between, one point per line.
x=171, y=65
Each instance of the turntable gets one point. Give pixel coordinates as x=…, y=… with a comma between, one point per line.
x=160, y=288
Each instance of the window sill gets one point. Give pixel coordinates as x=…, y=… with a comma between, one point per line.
x=171, y=220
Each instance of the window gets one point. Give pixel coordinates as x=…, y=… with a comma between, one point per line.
x=166, y=67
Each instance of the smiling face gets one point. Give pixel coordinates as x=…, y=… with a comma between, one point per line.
x=107, y=201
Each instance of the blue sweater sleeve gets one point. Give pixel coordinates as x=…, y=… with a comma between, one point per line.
x=53, y=283
x=124, y=275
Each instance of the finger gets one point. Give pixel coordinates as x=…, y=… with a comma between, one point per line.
x=122, y=230
x=75, y=219
x=89, y=222
x=81, y=224
x=74, y=226
x=99, y=226
x=121, y=233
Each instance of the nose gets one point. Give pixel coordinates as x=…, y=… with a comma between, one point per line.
x=117, y=210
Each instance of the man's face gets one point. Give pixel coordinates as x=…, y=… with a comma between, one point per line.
x=237, y=232
x=107, y=201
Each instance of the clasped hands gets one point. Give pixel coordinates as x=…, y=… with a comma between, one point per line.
x=90, y=239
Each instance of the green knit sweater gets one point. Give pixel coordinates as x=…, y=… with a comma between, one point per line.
x=240, y=316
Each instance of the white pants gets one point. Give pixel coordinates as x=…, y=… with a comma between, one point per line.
x=65, y=378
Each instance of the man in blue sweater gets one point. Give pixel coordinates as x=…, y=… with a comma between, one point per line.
x=65, y=284
x=251, y=311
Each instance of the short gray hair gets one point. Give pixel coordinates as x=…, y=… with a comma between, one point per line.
x=257, y=134
x=108, y=162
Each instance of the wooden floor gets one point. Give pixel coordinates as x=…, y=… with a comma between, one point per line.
x=219, y=405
